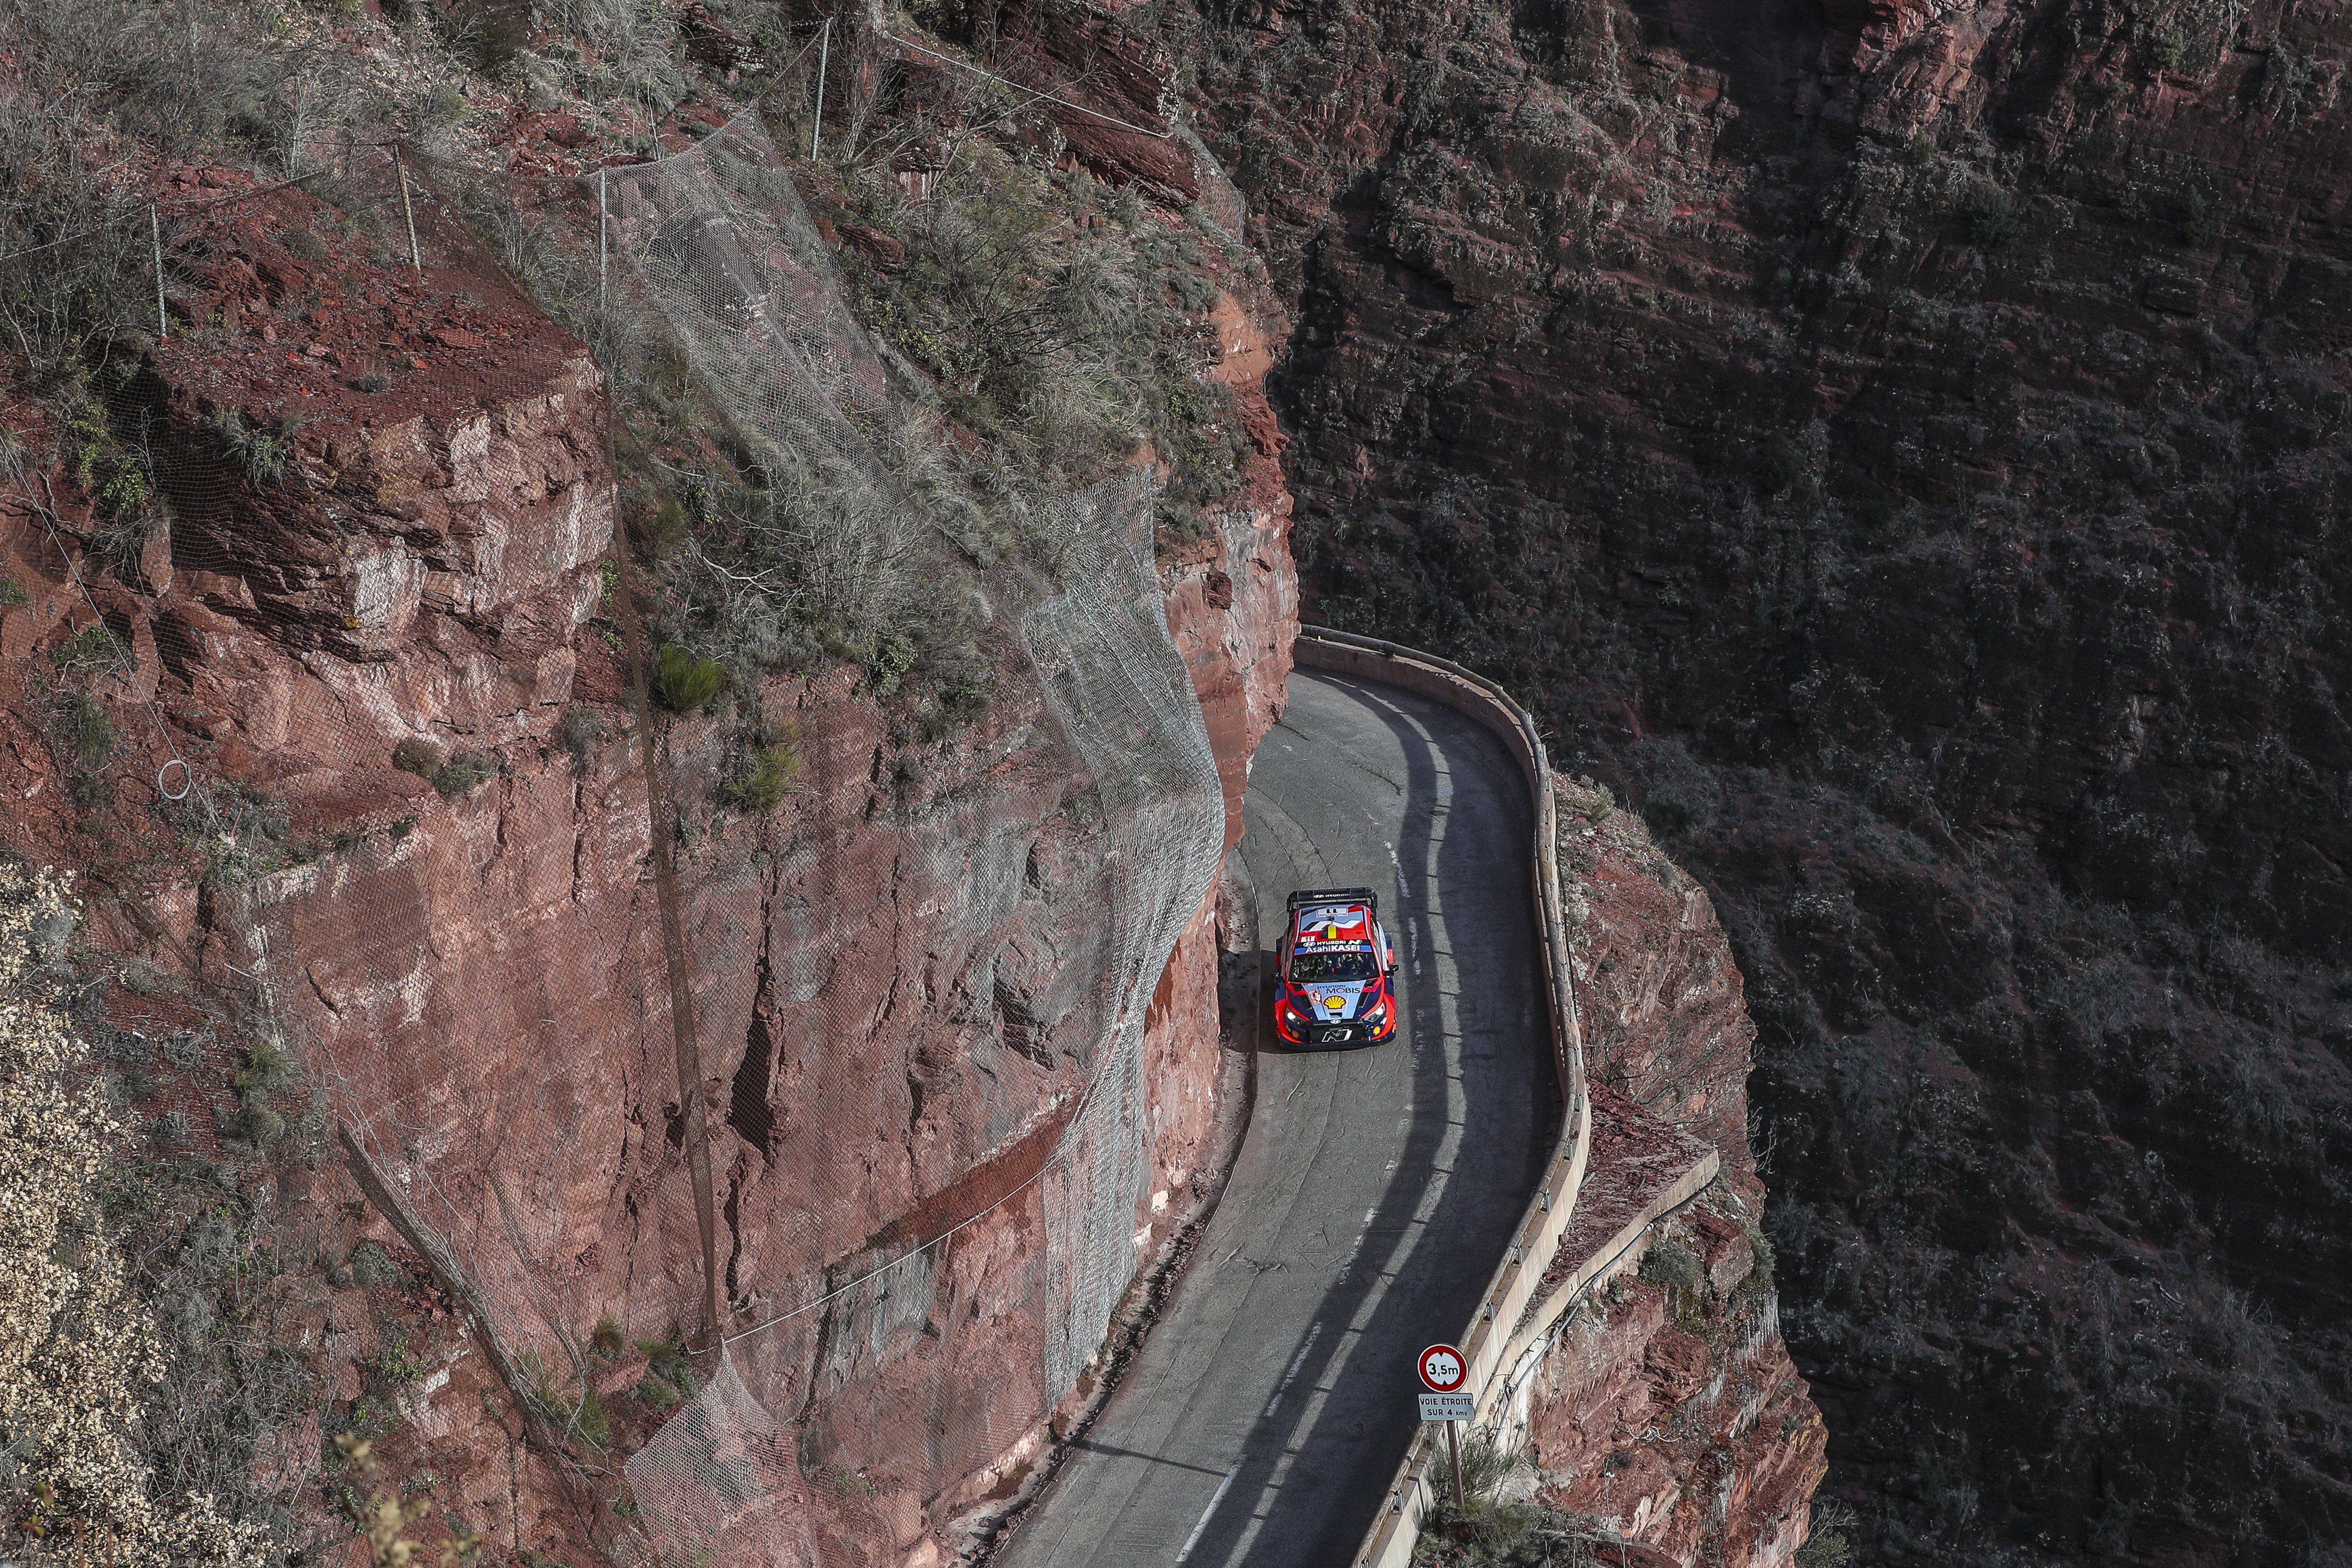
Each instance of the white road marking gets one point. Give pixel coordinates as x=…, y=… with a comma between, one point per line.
x=1222, y=1487
x=1296, y=1363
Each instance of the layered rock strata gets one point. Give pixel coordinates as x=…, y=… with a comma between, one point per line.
x=1894, y=447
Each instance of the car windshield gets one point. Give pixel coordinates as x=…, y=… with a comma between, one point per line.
x=1316, y=968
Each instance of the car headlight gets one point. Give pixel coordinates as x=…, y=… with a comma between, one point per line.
x=1291, y=1013
x=1378, y=1013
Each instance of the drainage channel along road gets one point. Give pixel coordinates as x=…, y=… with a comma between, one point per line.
x=1266, y=1415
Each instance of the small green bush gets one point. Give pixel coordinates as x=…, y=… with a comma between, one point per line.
x=1920, y=152
x=1670, y=1263
x=262, y=456
x=83, y=726
x=267, y=1068
x=2168, y=50
x=670, y=1364
x=464, y=773
x=93, y=650
x=417, y=755
x=683, y=680
x=372, y=382
x=761, y=784
x=892, y=657
x=1825, y=1549
x=591, y=1424
x=1991, y=216
x=10, y=594
x=2199, y=226
x=664, y=528
x=372, y=1266
x=304, y=244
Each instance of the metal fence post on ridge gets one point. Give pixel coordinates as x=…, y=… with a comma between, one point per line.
x=155, y=233
x=823, y=53
x=407, y=212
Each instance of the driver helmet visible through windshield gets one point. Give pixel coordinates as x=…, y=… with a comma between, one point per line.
x=1319, y=968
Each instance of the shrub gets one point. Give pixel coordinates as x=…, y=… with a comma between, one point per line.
x=1672, y=1264
x=304, y=244
x=267, y=1068
x=760, y=783
x=372, y=1267
x=1778, y=466
x=1991, y=216
x=93, y=650
x=2199, y=226
x=578, y=733
x=417, y=755
x=1667, y=817
x=78, y=1349
x=10, y=594
x=262, y=456
x=664, y=528
x=1825, y=1549
x=2169, y=50
x=372, y=382
x=1920, y=152
x=464, y=773
x=84, y=728
x=683, y=680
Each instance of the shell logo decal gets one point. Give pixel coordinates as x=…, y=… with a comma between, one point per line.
x=1337, y=1004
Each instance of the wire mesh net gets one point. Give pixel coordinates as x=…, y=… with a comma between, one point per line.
x=396, y=698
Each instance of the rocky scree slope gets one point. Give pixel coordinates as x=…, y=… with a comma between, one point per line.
x=1900, y=448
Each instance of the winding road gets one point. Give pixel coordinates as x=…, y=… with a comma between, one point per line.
x=1375, y=1189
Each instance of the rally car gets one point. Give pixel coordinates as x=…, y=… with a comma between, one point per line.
x=1332, y=970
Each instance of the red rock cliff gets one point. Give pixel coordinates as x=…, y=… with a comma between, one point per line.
x=402, y=647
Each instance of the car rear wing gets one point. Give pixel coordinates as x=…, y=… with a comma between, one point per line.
x=1308, y=898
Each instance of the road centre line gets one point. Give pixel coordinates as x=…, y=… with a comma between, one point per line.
x=1222, y=1487
x=1299, y=1361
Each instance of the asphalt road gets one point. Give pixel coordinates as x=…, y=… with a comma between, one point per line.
x=1376, y=1187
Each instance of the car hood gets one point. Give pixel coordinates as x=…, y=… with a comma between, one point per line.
x=1348, y=996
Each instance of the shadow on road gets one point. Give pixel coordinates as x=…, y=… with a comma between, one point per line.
x=1316, y=1485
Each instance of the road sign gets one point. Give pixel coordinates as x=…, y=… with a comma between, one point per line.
x=1444, y=1369
x=1448, y=1407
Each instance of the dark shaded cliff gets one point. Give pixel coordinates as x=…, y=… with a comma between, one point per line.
x=1900, y=448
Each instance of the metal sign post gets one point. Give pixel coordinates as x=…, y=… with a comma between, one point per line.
x=1444, y=1370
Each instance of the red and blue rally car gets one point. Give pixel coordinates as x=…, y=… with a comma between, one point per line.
x=1332, y=971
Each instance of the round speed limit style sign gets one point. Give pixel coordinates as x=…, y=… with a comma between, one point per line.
x=1443, y=1368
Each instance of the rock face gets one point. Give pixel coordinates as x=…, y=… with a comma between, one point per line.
x=1895, y=446
x=1666, y=1408
x=400, y=651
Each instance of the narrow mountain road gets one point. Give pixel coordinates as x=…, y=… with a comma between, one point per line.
x=1376, y=1188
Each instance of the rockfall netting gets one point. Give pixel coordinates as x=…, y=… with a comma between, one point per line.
x=612, y=1040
